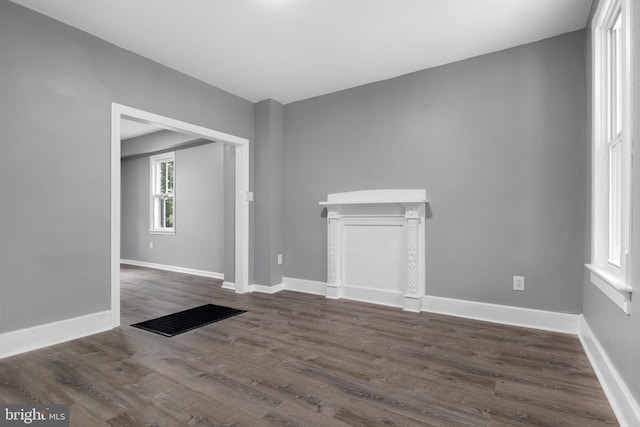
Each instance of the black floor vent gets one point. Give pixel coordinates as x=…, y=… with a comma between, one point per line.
x=183, y=321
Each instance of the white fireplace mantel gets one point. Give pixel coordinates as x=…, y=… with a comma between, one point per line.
x=375, y=248
x=376, y=197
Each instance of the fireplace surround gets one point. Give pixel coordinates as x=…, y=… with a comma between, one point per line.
x=376, y=246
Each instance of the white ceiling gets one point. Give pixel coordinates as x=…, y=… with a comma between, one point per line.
x=295, y=49
x=132, y=129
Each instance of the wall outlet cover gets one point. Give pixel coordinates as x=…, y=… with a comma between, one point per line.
x=518, y=283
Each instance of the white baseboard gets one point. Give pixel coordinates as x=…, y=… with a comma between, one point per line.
x=256, y=288
x=374, y=296
x=229, y=285
x=305, y=286
x=174, y=268
x=622, y=402
x=508, y=315
x=517, y=316
x=28, y=339
x=267, y=289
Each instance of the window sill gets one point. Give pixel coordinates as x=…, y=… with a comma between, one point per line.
x=613, y=287
x=165, y=232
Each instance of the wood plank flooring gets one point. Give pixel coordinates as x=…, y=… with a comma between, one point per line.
x=303, y=360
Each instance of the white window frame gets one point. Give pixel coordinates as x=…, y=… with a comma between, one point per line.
x=611, y=185
x=155, y=194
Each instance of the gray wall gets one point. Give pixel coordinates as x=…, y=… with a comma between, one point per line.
x=57, y=85
x=616, y=331
x=199, y=239
x=498, y=141
x=269, y=143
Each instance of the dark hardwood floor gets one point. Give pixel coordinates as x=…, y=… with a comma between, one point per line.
x=303, y=360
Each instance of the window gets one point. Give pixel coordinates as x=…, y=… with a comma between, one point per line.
x=611, y=133
x=163, y=193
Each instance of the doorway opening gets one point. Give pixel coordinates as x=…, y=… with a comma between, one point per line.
x=241, y=215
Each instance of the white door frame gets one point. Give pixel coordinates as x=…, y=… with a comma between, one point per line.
x=118, y=112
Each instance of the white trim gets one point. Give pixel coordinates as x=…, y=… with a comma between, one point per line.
x=267, y=289
x=242, y=217
x=621, y=296
x=287, y=285
x=23, y=340
x=263, y=289
x=622, y=402
x=412, y=303
x=610, y=278
x=305, y=286
x=374, y=296
x=365, y=197
x=176, y=269
x=504, y=314
x=116, y=117
x=119, y=111
x=163, y=232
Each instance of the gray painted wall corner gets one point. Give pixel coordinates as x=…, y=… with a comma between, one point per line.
x=269, y=204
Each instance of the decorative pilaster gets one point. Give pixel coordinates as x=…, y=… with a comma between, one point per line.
x=333, y=259
x=414, y=250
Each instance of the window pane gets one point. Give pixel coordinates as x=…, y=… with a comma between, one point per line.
x=617, y=65
x=615, y=202
x=162, y=191
x=611, y=115
x=168, y=213
x=163, y=177
x=614, y=79
x=156, y=212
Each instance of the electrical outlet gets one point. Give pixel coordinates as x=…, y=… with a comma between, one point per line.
x=518, y=283
x=279, y=259
x=150, y=245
